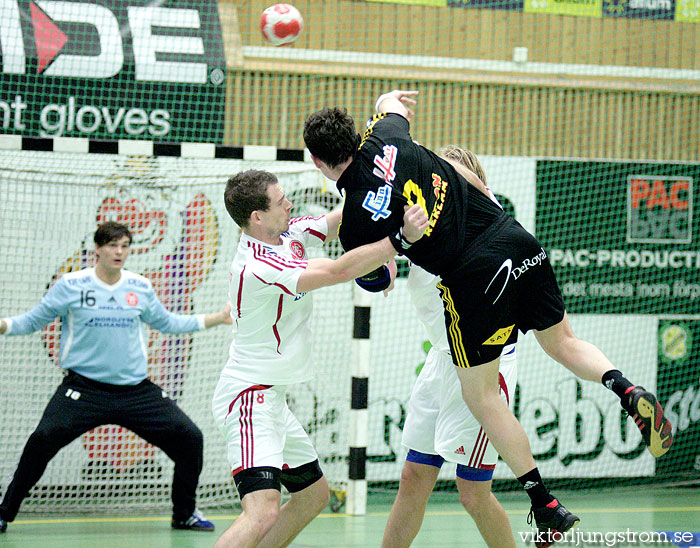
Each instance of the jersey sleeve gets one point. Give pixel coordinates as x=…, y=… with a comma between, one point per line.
x=156, y=315
x=54, y=304
x=311, y=231
x=390, y=124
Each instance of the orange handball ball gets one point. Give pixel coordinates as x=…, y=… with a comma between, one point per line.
x=281, y=24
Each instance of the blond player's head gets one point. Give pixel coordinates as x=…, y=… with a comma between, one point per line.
x=465, y=157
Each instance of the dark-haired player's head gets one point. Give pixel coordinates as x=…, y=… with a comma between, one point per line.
x=330, y=135
x=112, y=246
x=111, y=231
x=247, y=192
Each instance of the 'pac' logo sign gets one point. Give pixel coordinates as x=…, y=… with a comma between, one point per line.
x=659, y=209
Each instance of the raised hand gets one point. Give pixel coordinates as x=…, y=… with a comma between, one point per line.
x=407, y=99
x=398, y=101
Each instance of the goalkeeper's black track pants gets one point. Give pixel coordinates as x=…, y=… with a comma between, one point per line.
x=81, y=404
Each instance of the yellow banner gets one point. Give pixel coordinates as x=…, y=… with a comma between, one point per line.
x=421, y=2
x=688, y=11
x=586, y=8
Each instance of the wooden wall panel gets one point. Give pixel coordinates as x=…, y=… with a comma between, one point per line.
x=269, y=109
x=501, y=114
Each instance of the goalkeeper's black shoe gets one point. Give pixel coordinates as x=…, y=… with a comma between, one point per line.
x=552, y=522
x=3, y=525
x=648, y=414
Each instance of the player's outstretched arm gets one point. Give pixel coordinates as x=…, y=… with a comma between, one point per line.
x=397, y=102
x=364, y=259
x=224, y=316
x=161, y=319
x=55, y=303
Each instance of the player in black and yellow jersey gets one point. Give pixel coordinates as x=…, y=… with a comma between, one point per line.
x=496, y=279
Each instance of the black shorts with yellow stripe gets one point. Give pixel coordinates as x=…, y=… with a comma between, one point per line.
x=505, y=284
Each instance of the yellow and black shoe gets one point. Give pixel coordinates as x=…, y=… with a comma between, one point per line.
x=648, y=414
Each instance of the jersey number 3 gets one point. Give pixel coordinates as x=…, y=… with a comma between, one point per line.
x=414, y=195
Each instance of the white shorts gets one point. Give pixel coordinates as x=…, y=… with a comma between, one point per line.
x=259, y=427
x=439, y=422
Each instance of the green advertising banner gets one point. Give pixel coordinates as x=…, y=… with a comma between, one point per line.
x=116, y=69
x=621, y=236
x=678, y=387
x=639, y=9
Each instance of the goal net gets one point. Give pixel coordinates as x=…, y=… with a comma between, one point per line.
x=184, y=242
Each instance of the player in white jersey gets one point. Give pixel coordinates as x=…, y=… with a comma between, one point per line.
x=439, y=426
x=103, y=354
x=270, y=280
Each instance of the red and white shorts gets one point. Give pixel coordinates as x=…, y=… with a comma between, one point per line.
x=259, y=427
x=438, y=421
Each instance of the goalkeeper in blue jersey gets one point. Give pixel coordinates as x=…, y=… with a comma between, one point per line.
x=103, y=355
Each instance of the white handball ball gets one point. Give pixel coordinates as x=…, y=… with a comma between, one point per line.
x=281, y=24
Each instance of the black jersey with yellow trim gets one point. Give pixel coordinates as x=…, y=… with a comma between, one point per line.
x=389, y=170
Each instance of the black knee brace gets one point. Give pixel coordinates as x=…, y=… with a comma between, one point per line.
x=296, y=479
x=256, y=479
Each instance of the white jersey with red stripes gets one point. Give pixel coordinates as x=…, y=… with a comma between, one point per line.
x=425, y=298
x=271, y=320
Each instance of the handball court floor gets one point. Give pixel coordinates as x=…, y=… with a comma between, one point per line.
x=617, y=517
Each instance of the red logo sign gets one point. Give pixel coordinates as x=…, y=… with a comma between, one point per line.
x=48, y=37
x=132, y=299
x=297, y=249
x=659, y=209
